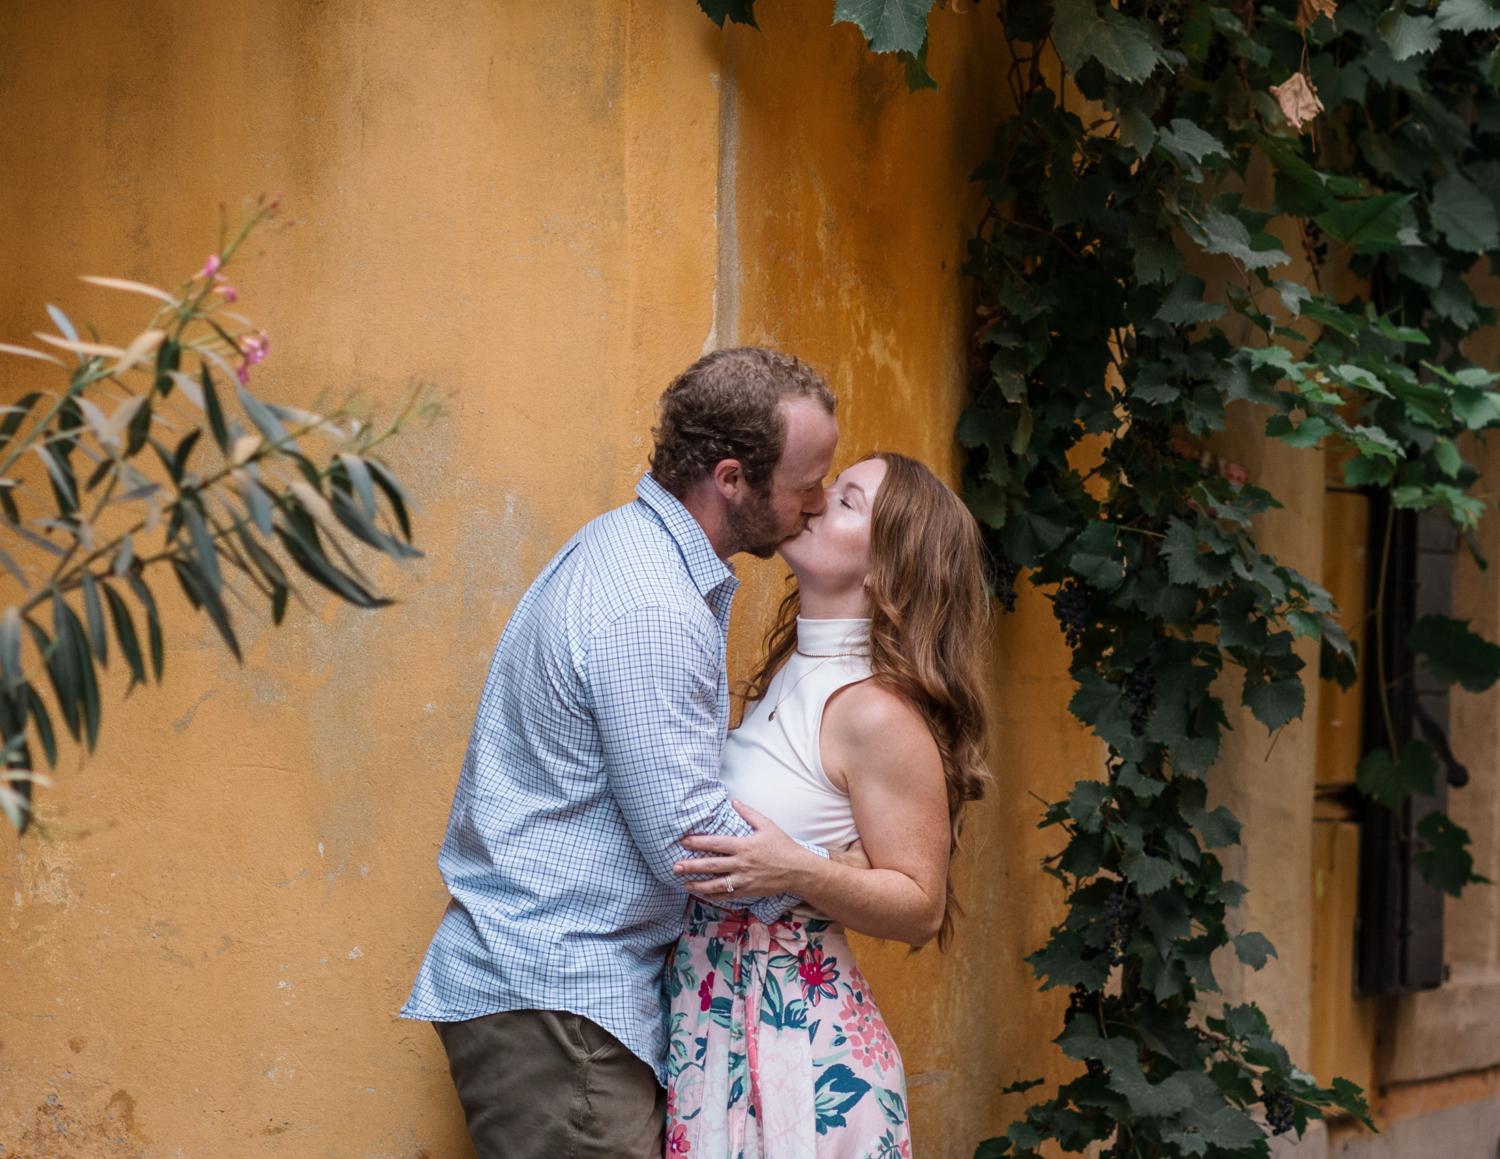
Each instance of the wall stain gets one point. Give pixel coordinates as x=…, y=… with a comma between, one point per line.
x=180, y=725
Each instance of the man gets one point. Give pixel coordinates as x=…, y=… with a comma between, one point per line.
x=595, y=750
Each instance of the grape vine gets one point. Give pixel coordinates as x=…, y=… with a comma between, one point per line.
x=1154, y=141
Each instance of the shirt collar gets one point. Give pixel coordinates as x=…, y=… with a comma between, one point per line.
x=706, y=568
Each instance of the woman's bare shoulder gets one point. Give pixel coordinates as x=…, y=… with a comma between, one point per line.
x=868, y=716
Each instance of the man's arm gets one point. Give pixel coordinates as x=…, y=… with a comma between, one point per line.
x=652, y=680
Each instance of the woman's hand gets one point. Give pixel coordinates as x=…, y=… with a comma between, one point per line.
x=766, y=864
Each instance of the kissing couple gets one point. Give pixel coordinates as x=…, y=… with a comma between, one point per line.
x=645, y=950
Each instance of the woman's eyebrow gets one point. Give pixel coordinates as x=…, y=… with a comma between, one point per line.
x=858, y=488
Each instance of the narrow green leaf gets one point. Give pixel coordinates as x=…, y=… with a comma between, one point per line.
x=10, y=648
x=268, y=424
x=139, y=430
x=59, y=660
x=202, y=592
x=62, y=478
x=310, y=558
x=205, y=554
x=357, y=523
x=130, y=646
x=89, y=683
x=358, y=472
x=395, y=493
x=43, y=725
x=215, y=411
x=95, y=616
x=153, y=621
x=16, y=414
x=184, y=450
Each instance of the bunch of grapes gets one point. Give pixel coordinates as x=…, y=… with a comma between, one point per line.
x=1140, y=686
x=1157, y=436
x=1120, y=909
x=1317, y=241
x=1005, y=583
x=1169, y=18
x=1071, y=606
x=1278, y=1110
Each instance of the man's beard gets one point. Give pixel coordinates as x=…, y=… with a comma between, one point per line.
x=751, y=526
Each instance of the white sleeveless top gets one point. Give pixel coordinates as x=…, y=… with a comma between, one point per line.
x=772, y=761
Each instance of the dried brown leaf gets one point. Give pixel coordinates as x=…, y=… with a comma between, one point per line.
x=1308, y=11
x=1298, y=100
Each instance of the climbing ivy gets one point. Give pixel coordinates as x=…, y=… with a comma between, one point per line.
x=1333, y=171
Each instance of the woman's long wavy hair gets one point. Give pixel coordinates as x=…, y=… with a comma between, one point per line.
x=929, y=616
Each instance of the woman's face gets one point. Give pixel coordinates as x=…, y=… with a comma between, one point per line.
x=831, y=556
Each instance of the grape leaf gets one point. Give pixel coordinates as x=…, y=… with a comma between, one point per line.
x=888, y=25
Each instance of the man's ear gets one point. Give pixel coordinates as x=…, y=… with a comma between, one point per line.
x=729, y=478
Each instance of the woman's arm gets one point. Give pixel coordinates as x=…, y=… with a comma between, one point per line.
x=878, y=747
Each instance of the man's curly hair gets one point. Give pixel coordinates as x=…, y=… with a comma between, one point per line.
x=724, y=406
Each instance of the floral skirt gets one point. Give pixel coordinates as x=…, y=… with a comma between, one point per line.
x=776, y=1048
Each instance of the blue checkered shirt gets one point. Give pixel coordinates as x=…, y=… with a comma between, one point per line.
x=594, y=750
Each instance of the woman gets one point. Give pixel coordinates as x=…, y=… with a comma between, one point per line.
x=865, y=723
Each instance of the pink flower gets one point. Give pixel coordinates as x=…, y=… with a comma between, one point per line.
x=255, y=347
x=243, y=374
x=1236, y=474
x=706, y=991
x=870, y=1041
x=210, y=267
x=818, y=974
x=227, y=290
x=677, y=1142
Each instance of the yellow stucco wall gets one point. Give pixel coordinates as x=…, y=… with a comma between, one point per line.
x=548, y=210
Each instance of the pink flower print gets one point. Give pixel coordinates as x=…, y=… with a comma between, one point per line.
x=818, y=974
x=671, y=1100
x=677, y=1141
x=706, y=991
x=869, y=1040
x=210, y=267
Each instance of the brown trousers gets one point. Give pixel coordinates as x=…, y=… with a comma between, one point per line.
x=549, y=1083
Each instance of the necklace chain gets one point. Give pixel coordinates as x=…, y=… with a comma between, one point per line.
x=780, y=700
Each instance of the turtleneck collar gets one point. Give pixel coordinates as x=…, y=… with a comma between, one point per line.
x=832, y=637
